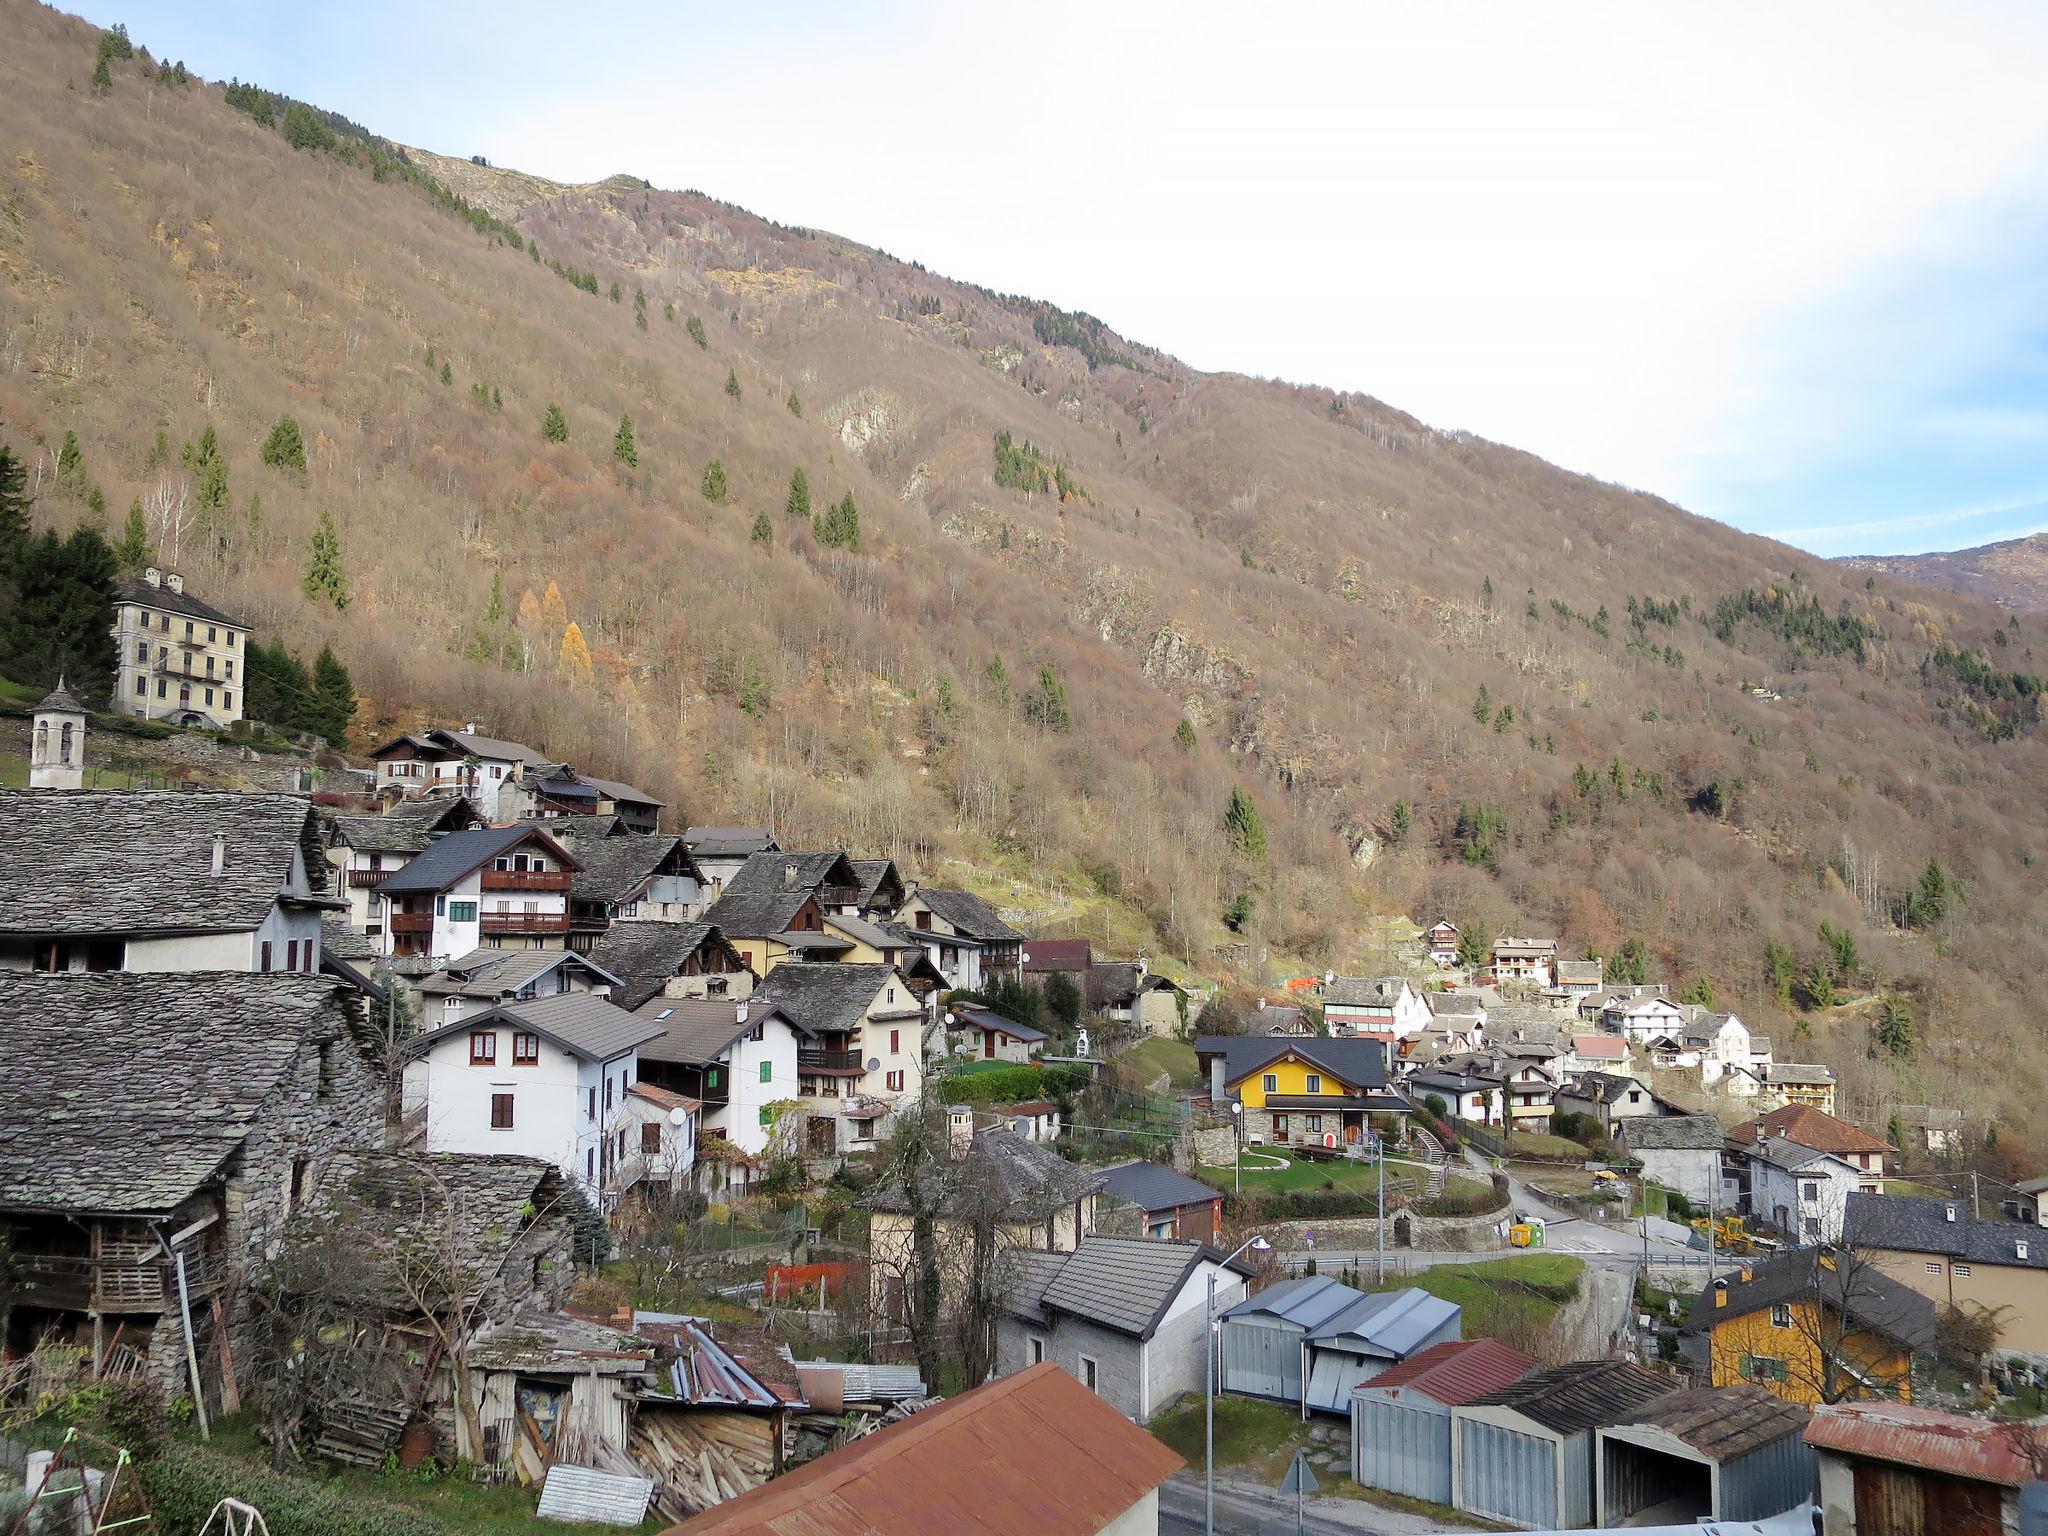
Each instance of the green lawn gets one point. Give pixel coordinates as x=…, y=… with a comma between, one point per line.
x=1299, y=1174
x=1160, y=1055
x=20, y=693
x=1542, y=1144
x=979, y=1064
x=1513, y=1300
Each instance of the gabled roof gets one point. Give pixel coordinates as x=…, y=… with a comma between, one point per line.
x=1354, y=1061
x=1307, y=1301
x=1585, y=1394
x=1604, y=1087
x=124, y=1091
x=1584, y=973
x=1672, y=1133
x=501, y=972
x=461, y=853
x=1365, y=991
x=1723, y=1423
x=967, y=912
x=1454, y=1372
x=408, y=827
x=1387, y=1323
x=1810, y=1127
x=1798, y=1072
x=616, y=869
x=1782, y=1152
x=59, y=700
x=766, y=893
x=875, y=875
x=1121, y=1283
x=1155, y=1187
x=621, y=794
x=141, y=861
x=1921, y=1224
x=470, y=744
x=1112, y=983
x=1600, y=1047
x=696, y=1031
x=1027, y=1180
x=1524, y=948
x=729, y=842
x=183, y=604
x=1455, y=1004
x=579, y=1022
x=1058, y=955
x=1854, y=1287
x=1980, y=1450
x=994, y=1023
x=832, y=996
x=644, y=953
x=1033, y=1452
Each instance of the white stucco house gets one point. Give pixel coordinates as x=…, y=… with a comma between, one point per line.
x=442, y=762
x=543, y=1079
x=1374, y=1005
x=1801, y=1191
x=483, y=979
x=501, y=887
x=738, y=1059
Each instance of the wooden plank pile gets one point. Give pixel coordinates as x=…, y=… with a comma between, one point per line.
x=700, y=1457
x=358, y=1432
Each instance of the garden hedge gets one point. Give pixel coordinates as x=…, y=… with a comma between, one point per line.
x=184, y=1484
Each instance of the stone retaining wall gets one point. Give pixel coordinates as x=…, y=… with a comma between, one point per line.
x=1437, y=1234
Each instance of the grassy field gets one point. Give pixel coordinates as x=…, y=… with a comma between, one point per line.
x=1509, y=1299
x=1300, y=1174
x=19, y=693
x=1160, y=1056
x=1541, y=1144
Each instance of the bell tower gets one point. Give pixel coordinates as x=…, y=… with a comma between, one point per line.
x=57, y=749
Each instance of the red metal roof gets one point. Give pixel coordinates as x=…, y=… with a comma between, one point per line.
x=1457, y=1371
x=1057, y=955
x=1978, y=1449
x=1811, y=1127
x=1600, y=1047
x=1034, y=1452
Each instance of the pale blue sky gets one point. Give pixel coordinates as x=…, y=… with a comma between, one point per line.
x=1784, y=265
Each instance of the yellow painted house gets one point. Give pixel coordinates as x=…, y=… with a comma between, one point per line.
x=1300, y=1090
x=1812, y=1326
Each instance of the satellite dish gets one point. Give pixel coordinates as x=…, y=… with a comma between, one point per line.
x=950, y=1021
x=874, y=1063
x=679, y=1117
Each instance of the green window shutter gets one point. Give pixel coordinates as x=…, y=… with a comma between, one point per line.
x=767, y=1071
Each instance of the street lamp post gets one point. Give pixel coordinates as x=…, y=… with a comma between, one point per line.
x=1237, y=1142
x=1258, y=1244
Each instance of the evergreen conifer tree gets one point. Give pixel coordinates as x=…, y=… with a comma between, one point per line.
x=133, y=553
x=447, y=374
x=71, y=465
x=14, y=503
x=796, y=406
x=616, y=295
x=732, y=383
x=696, y=329
x=326, y=575
x=334, y=698
x=1241, y=821
x=554, y=426
x=1184, y=735
x=285, y=448
x=764, y=531
x=1049, y=706
x=102, y=77
x=714, y=487
x=1399, y=822
x=799, y=502
x=622, y=444
x=56, y=624
x=494, y=611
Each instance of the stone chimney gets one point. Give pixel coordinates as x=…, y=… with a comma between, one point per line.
x=153, y=576
x=175, y=582
x=959, y=1129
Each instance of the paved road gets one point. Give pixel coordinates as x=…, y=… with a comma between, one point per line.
x=1253, y=1509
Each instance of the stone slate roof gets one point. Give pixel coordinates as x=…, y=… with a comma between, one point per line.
x=1585, y=1394
x=1154, y=1186
x=644, y=954
x=1455, y=1004
x=1122, y=1283
x=501, y=972
x=1673, y=1133
x=1855, y=1289
x=872, y=873
x=126, y=1090
x=1798, y=1072
x=617, y=869
x=167, y=601
x=473, y=745
x=1920, y=1224
x=969, y=913
x=729, y=842
x=830, y=996
x=763, y=897
x=59, y=699
x=141, y=861
x=1358, y=1062
x=995, y=1023
x=338, y=941
x=1113, y=983
x=1364, y=991
x=1583, y=972
x=391, y=1204
x=874, y=935
x=409, y=827
x=1031, y=1182
x=1604, y=1087
x=455, y=855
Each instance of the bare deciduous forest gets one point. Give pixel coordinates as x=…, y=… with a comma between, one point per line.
x=981, y=666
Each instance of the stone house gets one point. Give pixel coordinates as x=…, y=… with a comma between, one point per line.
x=648, y=876
x=721, y=851
x=1681, y=1152
x=969, y=943
x=653, y=958
x=774, y=905
x=1609, y=1098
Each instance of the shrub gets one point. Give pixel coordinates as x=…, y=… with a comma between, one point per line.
x=1465, y=1197
x=1298, y=1205
x=185, y=1484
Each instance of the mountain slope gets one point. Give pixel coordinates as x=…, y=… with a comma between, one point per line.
x=2012, y=573
x=1321, y=585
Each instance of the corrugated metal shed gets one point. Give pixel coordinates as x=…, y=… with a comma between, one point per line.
x=1401, y=1419
x=1730, y=1453
x=1921, y=1437
x=1524, y=1454
x=1371, y=1334
x=1032, y=1452
x=584, y=1495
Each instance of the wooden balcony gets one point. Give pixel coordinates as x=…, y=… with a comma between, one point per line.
x=526, y=880
x=525, y=922
x=829, y=1061
x=420, y=923
x=360, y=879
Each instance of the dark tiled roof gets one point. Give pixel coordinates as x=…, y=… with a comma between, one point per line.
x=1364, y=991
x=729, y=842
x=1113, y=983
x=1583, y=1395
x=968, y=913
x=989, y=1019
x=338, y=941
x=831, y=995
x=617, y=869
x=694, y=1031
x=397, y=1202
x=490, y=746
x=583, y=1022
x=1123, y=1283
x=1358, y=1062
x=644, y=954
x=1920, y=1224
x=1605, y=1087
x=1854, y=1288
x=873, y=873
x=1058, y=955
x=622, y=794
x=409, y=827
x=1154, y=1186
x=460, y=852
x=502, y=972
x=141, y=861
x=181, y=603
x=125, y=1091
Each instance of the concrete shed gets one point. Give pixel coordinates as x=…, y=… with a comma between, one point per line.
x=1401, y=1419
x=1524, y=1454
x=1709, y=1453
x=1373, y=1334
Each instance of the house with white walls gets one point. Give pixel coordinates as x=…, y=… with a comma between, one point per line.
x=654, y=1145
x=738, y=1059
x=160, y=880
x=501, y=887
x=545, y=1078
x=482, y=979
x=440, y=762
x=1363, y=1005
x=364, y=850
x=864, y=1045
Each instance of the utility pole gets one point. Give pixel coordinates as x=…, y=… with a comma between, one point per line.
x=1973, y=1195
x=1380, y=1253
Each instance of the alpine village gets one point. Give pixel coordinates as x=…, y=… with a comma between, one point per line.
x=659, y=872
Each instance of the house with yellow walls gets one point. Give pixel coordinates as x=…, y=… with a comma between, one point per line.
x=1299, y=1090
x=1813, y=1325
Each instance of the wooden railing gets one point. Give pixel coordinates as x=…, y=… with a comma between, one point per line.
x=525, y=922
x=526, y=880
x=359, y=878
x=412, y=922
x=828, y=1061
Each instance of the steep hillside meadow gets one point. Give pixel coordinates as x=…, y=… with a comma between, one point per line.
x=1069, y=545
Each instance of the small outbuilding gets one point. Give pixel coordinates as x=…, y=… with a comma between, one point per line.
x=1316, y=1331
x=1524, y=1454
x=1707, y=1453
x=1401, y=1418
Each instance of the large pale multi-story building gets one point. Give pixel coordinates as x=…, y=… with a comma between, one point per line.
x=178, y=659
